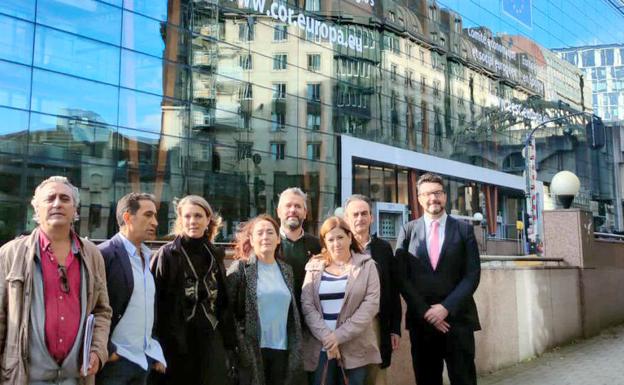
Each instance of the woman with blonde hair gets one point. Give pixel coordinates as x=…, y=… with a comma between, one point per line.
x=266, y=315
x=194, y=324
x=339, y=300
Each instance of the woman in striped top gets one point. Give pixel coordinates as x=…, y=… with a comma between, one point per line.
x=340, y=298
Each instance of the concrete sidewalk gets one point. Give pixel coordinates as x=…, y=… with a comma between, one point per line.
x=596, y=361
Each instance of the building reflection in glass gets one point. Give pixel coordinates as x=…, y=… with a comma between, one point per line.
x=238, y=100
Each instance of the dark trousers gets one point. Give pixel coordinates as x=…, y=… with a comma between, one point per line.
x=121, y=372
x=356, y=376
x=204, y=362
x=275, y=364
x=431, y=348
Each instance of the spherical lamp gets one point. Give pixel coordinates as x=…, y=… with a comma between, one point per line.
x=565, y=185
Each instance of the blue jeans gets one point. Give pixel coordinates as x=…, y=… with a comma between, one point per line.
x=121, y=372
x=356, y=376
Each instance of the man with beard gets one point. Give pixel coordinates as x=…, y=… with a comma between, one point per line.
x=439, y=272
x=297, y=246
x=358, y=214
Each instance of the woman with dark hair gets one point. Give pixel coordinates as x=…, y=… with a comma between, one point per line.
x=193, y=322
x=339, y=300
x=266, y=316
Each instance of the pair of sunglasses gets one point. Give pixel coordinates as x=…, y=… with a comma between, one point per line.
x=62, y=270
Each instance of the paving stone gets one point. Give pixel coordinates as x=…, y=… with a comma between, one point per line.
x=595, y=361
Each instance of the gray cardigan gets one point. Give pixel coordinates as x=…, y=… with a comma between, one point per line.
x=242, y=283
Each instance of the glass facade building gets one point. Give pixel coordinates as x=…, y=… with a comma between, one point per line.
x=238, y=100
x=603, y=66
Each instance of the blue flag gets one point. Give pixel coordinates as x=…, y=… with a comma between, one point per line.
x=520, y=10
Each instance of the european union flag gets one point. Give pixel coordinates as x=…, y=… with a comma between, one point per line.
x=520, y=10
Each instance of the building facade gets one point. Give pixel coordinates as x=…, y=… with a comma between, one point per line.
x=238, y=100
x=603, y=66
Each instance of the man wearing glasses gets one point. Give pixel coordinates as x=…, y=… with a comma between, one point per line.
x=50, y=282
x=440, y=270
x=131, y=290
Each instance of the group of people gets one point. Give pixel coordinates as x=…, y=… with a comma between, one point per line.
x=290, y=309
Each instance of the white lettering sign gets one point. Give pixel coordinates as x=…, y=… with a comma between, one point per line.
x=285, y=14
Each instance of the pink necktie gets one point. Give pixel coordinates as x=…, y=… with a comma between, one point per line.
x=434, y=244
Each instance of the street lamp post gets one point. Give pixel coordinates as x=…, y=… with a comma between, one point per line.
x=530, y=175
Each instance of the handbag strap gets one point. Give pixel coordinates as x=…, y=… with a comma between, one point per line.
x=345, y=378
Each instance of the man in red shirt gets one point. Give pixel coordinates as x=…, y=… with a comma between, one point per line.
x=50, y=282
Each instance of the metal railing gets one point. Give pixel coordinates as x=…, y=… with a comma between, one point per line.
x=609, y=236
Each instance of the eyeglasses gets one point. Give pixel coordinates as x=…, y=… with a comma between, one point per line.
x=436, y=194
x=62, y=270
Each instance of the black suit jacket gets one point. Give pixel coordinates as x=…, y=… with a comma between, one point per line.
x=119, y=280
x=453, y=282
x=389, y=301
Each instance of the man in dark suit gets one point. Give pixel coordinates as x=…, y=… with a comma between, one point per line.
x=131, y=292
x=358, y=214
x=440, y=270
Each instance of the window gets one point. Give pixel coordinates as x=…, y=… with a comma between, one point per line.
x=245, y=121
x=246, y=91
x=314, y=121
x=409, y=75
x=314, y=92
x=421, y=53
x=457, y=26
x=279, y=91
x=246, y=62
x=435, y=60
x=313, y=5
x=278, y=121
x=313, y=151
x=436, y=88
x=433, y=14
x=587, y=58
x=408, y=50
x=606, y=57
x=246, y=30
x=279, y=61
x=393, y=71
x=461, y=120
x=392, y=43
x=571, y=57
x=314, y=62
x=423, y=84
x=243, y=150
x=280, y=32
x=278, y=150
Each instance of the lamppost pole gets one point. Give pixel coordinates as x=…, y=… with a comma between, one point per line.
x=530, y=175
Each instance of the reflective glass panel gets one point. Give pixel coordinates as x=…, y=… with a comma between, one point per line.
x=65, y=95
x=24, y=9
x=83, y=17
x=152, y=8
x=14, y=85
x=142, y=34
x=63, y=52
x=145, y=112
x=78, y=135
x=14, y=126
x=145, y=73
x=16, y=40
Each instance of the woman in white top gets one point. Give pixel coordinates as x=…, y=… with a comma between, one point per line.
x=339, y=300
x=269, y=330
